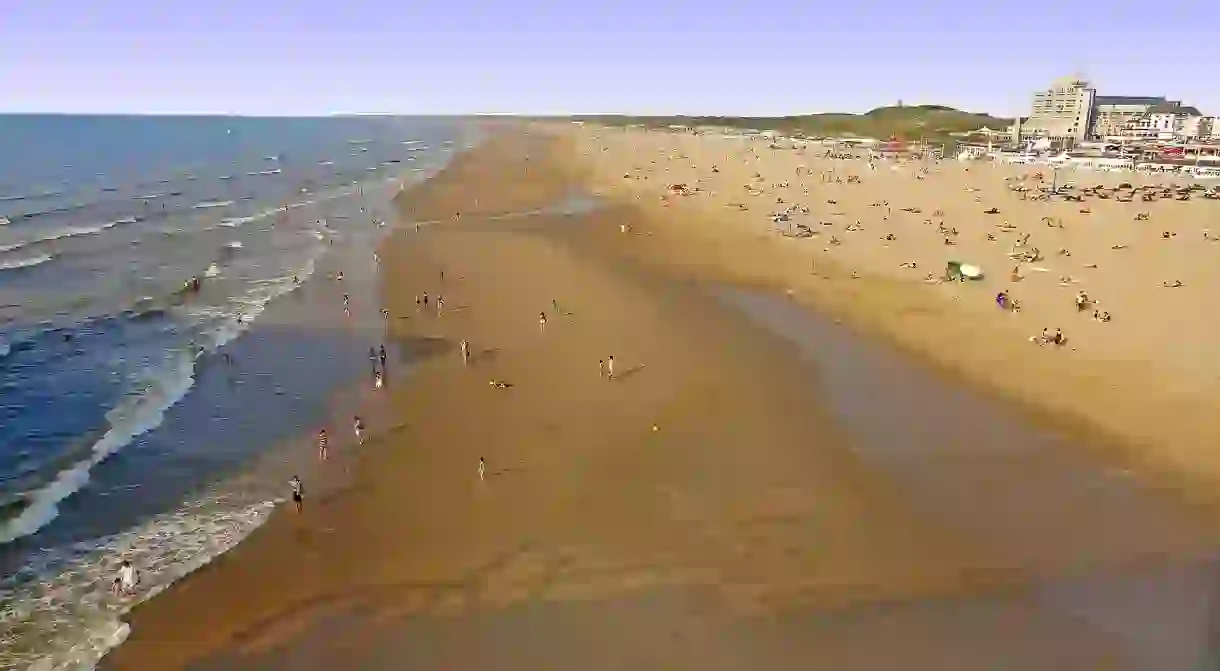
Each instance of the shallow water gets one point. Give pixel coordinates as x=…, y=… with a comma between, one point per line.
x=1106, y=552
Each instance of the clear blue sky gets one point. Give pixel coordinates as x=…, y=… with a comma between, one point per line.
x=459, y=56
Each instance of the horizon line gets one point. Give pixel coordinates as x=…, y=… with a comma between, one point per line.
x=527, y=115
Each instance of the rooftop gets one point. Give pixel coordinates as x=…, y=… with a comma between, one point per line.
x=1129, y=100
x=1171, y=108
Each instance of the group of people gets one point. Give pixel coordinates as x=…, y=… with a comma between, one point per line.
x=379, y=369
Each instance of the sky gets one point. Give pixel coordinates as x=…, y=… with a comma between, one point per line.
x=305, y=57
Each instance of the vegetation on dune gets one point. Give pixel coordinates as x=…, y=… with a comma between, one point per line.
x=934, y=123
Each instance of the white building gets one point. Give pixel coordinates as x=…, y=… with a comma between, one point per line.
x=1166, y=122
x=1112, y=115
x=1206, y=128
x=1063, y=111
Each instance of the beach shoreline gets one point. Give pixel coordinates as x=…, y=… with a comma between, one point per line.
x=251, y=409
x=710, y=521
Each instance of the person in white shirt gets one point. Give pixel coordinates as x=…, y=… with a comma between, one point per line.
x=127, y=579
x=298, y=492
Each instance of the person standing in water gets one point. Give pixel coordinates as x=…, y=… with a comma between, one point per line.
x=542, y=322
x=358, y=427
x=465, y=352
x=128, y=578
x=381, y=355
x=322, y=449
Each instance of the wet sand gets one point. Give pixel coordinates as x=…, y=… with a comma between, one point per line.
x=760, y=487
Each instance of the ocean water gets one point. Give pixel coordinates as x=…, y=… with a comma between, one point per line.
x=130, y=408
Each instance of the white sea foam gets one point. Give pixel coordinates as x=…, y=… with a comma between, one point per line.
x=208, y=204
x=14, y=264
x=145, y=407
x=70, y=232
x=57, y=611
x=135, y=415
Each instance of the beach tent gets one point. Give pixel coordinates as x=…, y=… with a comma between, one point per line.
x=956, y=270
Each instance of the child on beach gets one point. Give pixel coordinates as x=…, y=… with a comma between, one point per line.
x=298, y=492
x=358, y=427
x=322, y=454
x=126, y=581
x=378, y=380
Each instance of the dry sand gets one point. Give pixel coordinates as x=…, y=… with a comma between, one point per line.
x=1147, y=376
x=706, y=509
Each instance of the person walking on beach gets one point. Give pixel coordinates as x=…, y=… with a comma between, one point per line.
x=482, y=469
x=542, y=322
x=440, y=305
x=298, y=492
x=465, y=352
x=601, y=368
x=358, y=427
x=610, y=368
x=381, y=355
x=322, y=452
x=425, y=300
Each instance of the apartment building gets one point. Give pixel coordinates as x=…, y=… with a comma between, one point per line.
x=1170, y=123
x=1206, y=128
x=1063, y=111
x=1113, y=115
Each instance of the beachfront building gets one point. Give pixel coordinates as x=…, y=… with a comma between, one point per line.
x=1165, y=122
x=1200, y=129
x=1112, y=115
x=1062, y=112
x=1104, y=163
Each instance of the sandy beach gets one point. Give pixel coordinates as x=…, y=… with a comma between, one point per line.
x=1143, y=377
x=806, y=453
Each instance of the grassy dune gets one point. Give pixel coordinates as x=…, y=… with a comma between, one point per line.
x=935, y=123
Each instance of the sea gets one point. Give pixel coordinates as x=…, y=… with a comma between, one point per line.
x=134, y=412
